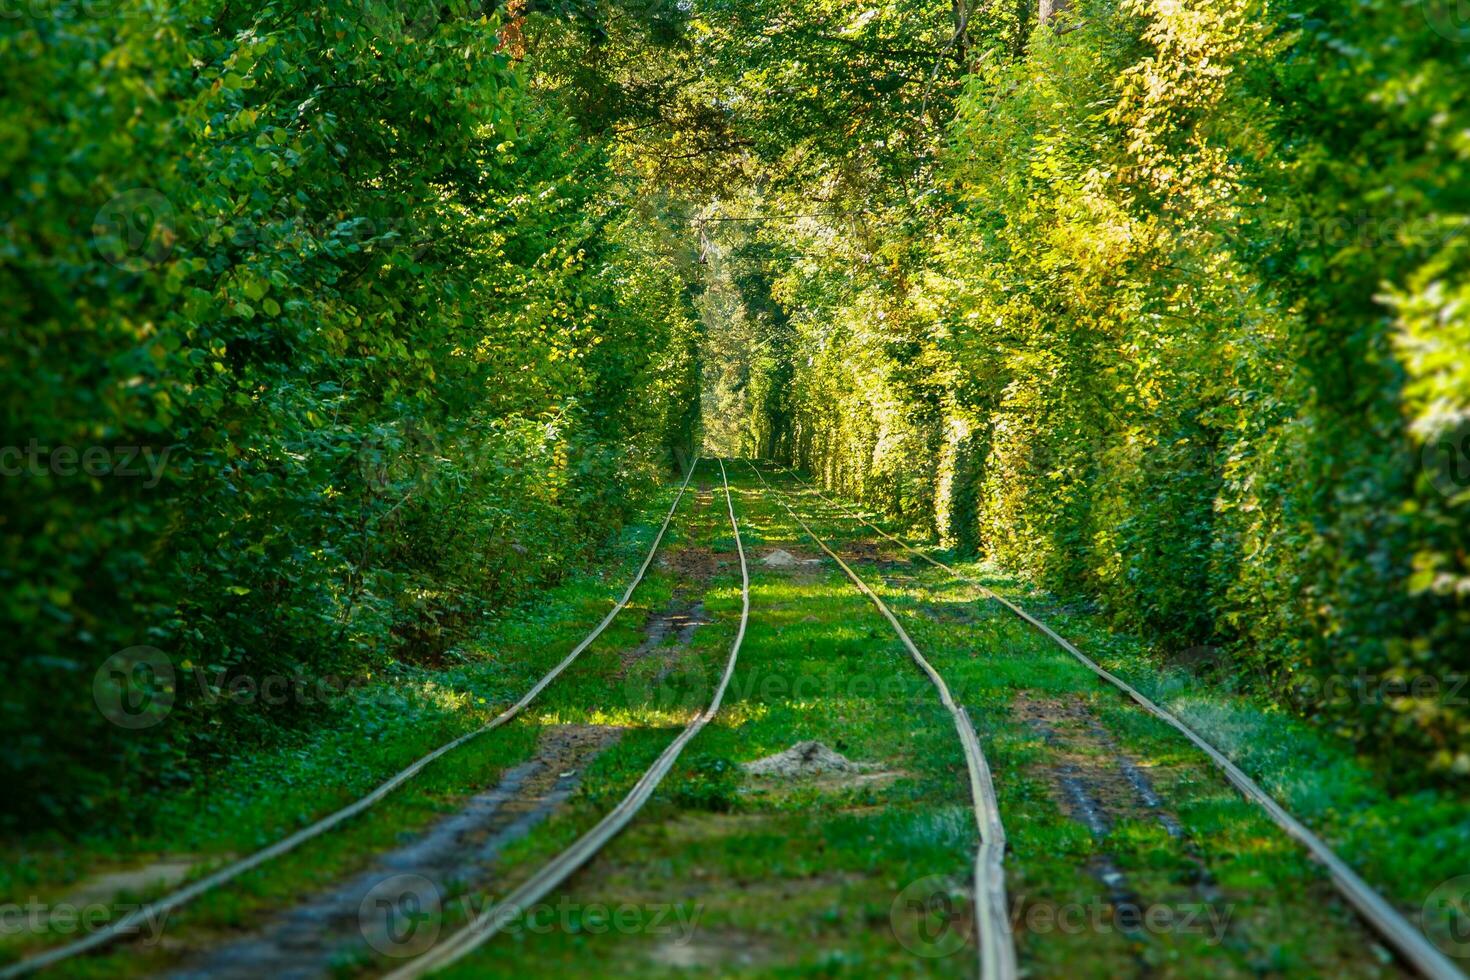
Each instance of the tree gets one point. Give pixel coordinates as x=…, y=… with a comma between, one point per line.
x=1047, y=9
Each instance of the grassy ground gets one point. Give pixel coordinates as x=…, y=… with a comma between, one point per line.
x=786, y=879
x=816, y=878
x=255, y=801
x=852, y=874
x=1406, y=846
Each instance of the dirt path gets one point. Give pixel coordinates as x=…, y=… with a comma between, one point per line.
x=1094, y=781
x=419, y=892
x=1098, y=784
x=328, y=930
x=830, y=788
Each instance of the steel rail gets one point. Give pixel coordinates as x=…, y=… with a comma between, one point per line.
x=174, y=900
x=552, y=874
x=997, y=952
x=1376, y=910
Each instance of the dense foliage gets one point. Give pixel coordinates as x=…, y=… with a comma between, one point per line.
x=388, y=341
x=1178, y=322
x=334, y=328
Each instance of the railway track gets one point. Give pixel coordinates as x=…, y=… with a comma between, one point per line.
x=1374, y=908
x=996, y=954
x=496, y=917
x=997, y=948
x=152, y=911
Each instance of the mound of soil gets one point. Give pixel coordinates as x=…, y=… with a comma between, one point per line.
x=805, y=759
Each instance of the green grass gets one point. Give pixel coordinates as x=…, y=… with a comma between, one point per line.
x=254, y=801
x=797, y=881
x=802, y=881
x=733, y=875
x=1404, y=846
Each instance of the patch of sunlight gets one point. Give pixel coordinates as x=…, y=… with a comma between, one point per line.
x=428, y=693
x=642, y=716
x=737, y=713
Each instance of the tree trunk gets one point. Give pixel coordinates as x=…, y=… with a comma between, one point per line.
x=961, y=30
x=1049, y=8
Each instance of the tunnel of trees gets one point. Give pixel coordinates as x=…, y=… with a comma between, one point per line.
x=382, y=315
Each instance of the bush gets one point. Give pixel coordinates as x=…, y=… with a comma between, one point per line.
x=351, y=286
